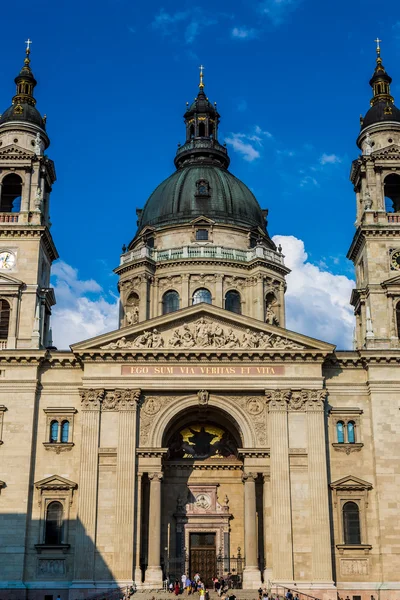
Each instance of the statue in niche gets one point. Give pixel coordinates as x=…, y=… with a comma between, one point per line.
x=271, y=309
x=368, y=145
x=132, y=315
x=38, y=144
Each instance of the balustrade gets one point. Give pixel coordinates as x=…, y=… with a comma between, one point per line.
x=213, y=252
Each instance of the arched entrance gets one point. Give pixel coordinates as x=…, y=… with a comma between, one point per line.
x=203, y=496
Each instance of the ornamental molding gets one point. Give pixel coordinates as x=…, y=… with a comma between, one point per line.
x=156, y=476
x=347, y=448
x=249, y=477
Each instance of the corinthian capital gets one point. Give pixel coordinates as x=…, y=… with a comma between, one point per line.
x=277, y=399
x=91, y=398
x=316, y=400
x=129, y=399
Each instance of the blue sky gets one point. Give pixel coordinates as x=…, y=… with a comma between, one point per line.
x=290, y=78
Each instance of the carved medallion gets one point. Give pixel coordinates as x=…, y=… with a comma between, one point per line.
x=152, y=406
x=254, y=406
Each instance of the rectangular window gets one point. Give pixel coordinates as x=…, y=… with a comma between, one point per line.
x=202, y=234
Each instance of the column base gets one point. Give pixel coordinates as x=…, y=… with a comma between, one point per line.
x=267, y=575
x=137, y=576
x=251, y=578
x=154, y=578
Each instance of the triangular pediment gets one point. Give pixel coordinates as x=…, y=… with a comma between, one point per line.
x=203, y=327
x=55, y=482
x=392, y=150
x=202, y=220
x=350, y=483
x=392, y=282
x=13, y=151
x=8, y=280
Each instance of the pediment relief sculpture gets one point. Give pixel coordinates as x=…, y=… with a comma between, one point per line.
x=204, y=333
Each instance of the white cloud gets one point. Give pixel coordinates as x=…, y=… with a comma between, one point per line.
x=82, y=310
x=329, y=159
x=317, y=301
x=243, y=33
x=247, y=151
x=193, y=21
x=277, y=10
x=309, y=181
x=248, y=144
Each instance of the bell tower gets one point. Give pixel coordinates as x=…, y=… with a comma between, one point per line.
x=375, y=250
x=26, y=246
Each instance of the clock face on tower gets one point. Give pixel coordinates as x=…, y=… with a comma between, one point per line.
x=7, y=260
x=394, y=260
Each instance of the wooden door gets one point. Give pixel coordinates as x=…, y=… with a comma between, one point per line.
x=203, y=557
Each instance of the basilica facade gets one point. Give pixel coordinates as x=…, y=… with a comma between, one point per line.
x=201, y=435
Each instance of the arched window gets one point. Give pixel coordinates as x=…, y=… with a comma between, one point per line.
x=4, y=319
x=351, y=523
x=391, y=191
x=170, y=302
x=201, y=295
x=202, y=129
x=340, y=432
x=54, y=431
x=64, y=431
x=191, y=131
x=11, y=192
x=54, y=523
x=233, y=302
x=351, y=435
x=398, y=318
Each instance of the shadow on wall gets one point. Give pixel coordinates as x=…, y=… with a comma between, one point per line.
x=43, y=567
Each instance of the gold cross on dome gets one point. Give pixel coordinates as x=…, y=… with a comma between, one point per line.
x=201, y=84
x=378, y=48
x=28, y=43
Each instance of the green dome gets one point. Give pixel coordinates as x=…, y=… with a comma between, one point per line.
x=221, y=197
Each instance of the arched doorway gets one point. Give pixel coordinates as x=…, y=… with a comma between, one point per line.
x=203, y=496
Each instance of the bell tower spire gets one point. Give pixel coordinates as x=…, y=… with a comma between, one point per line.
x=375, y=250
x=202, y=121
x=27, y=250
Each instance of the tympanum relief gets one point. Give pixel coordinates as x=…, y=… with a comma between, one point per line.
x=205, y=333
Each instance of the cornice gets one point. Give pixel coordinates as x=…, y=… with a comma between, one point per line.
x=370, y=230
x=189, y=262
x=19, y=230
x=198, y=355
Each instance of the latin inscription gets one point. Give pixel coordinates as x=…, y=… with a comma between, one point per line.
x=188, y=371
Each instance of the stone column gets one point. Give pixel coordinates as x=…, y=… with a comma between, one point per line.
x=219, y=294
x=154, y=576
x=85, y=538
x=185, y=299
x=143, y=298
x=125, y=501
x=259, y=299
x=318, y=486
x=251, y=572
x=267, y=527
x=281, y=531
x=138, y=543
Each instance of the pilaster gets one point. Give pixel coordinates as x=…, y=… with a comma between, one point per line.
x=125, y=501
x=85, y=539
x=282, y=557
x=318, y=486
